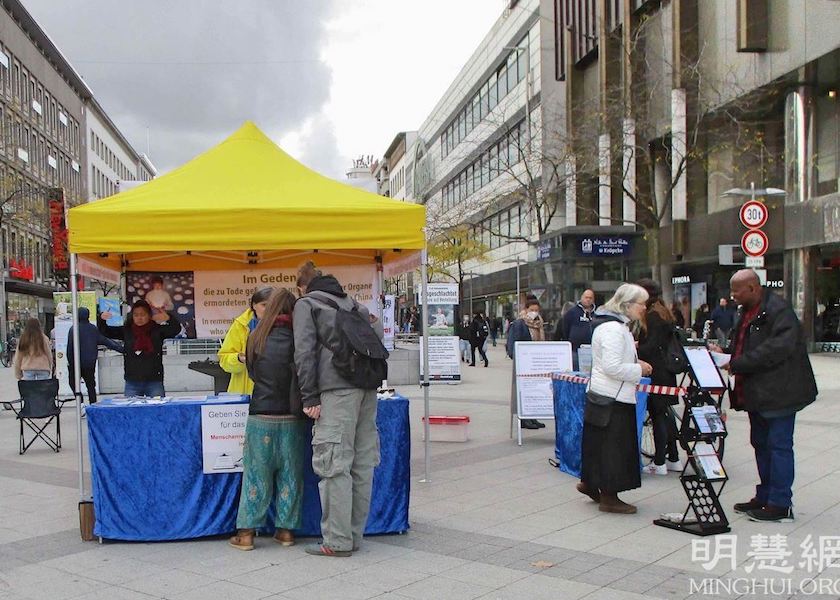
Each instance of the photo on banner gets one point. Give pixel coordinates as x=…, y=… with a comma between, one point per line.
x=443, y=308
x=63, y=302
x=165, y=291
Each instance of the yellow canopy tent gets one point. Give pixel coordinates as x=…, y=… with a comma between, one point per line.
x=244, y=202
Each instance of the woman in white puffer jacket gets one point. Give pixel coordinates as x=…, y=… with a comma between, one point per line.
x=610, y=454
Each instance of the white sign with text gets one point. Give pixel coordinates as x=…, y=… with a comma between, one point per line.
x=444, y=359
x=535, y=362
x=223, y=437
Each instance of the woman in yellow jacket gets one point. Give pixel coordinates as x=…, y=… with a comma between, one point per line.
x=232, y=352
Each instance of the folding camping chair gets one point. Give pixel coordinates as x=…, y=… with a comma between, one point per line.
x=39, y=401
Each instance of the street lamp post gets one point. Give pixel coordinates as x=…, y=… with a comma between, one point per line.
x=470, y=274
x=518, y=262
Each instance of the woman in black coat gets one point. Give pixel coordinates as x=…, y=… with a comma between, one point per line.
x=656, y=331
x=143, y=335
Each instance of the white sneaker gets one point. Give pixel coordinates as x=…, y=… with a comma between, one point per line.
x=654, y=469
x=674, y=465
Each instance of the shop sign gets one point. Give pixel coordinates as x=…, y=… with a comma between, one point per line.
x=20, y=269
x=544, y=250
x=680, y=279
x=605, y=246
x=58, y=228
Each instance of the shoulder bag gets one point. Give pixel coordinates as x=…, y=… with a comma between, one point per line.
x=598, y=408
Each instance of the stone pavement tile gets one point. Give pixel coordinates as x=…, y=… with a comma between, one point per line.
x=477, y=552
x=382, y=577
x=440, y=587
x=610, y=594
x=424, y=562
x=637, y=582
x=289, y=575
x=331, y=588
x=579, y=540
x=486, y=575
x=61, y=588
x=114, y=593
x=122, y=570
x=525, y=565
x=602, y=576
x=540, y=587
x=555, y=555
x=229, y=567
x=519, y=530
x=221, y=590
x=677, y=587
x=168, y=582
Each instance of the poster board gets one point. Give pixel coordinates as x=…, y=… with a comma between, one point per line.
x=223, y=437
x=706, y=373
x=535, y=362
x=443, y=303
x=444, y=359
x=64, y=320
x=388, y=322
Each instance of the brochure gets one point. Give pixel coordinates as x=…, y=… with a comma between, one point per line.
x=707, y=462
x=111, y=305
x=708, y=419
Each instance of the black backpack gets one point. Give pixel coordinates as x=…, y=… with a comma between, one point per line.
x=359, y=357
x=673, y=353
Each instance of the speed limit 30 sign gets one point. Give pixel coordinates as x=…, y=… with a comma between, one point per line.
x=754, y=242
x=754, y=214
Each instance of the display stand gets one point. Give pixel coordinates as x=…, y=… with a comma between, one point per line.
x=701, y=434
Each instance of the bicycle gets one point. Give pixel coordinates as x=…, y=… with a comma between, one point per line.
x=7, y=354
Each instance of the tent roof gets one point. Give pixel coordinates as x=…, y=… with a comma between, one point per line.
x=244, y=201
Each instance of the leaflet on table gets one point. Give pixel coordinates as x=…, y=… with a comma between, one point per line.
x=223, y=437
x=708, y=419
x=707, y=461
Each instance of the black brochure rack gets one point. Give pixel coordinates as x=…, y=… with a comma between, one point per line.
x=701, y=435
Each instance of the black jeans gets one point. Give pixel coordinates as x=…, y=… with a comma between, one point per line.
x=664, y=432
x=89, y=377
x=480, y=346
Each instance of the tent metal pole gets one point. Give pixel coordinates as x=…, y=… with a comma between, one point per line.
x=425, y=350
x=77, y=375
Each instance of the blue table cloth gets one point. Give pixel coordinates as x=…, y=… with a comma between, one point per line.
x=569, y=400
x=148, y=484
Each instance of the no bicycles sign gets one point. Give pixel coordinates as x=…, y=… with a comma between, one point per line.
x=754, y=242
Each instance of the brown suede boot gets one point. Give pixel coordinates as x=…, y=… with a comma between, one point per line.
x=284, y=537
x=243, y=540
x=588, y=491
x=612, y=504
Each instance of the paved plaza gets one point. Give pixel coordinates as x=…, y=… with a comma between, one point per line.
x=495, y=521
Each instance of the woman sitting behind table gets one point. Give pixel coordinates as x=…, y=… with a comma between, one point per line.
x=232, y=356
x=610, y=454
x=33, y=358
x=275, y=435
x=143, y=336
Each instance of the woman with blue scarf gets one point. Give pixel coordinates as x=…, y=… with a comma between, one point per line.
x=232, y=353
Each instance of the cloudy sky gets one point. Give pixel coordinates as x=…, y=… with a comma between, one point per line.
x=329, y=80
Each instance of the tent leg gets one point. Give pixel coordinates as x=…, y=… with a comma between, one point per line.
x=425, y=350
x=77, y=376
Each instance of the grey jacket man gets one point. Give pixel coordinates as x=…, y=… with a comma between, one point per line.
x=345, y=441
x=315, y=334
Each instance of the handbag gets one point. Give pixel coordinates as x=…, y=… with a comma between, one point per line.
x=598, y=408
x=673, y=353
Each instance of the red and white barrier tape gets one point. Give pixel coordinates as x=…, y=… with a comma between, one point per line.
x=662, y=390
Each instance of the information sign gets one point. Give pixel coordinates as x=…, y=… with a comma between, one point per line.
x=535, y=363
x=223, y=437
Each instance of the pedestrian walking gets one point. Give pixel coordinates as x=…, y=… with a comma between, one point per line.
x=479, y=331
x=275, y=433
x=610, y=450
x=527, y=328
x=700, y=319
x=723, y=317
x=464, y=339
x=773, y=381
x=345, y=441
x=90, y=339
x=494, y=330
x=677, y=314
x=232, y=356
